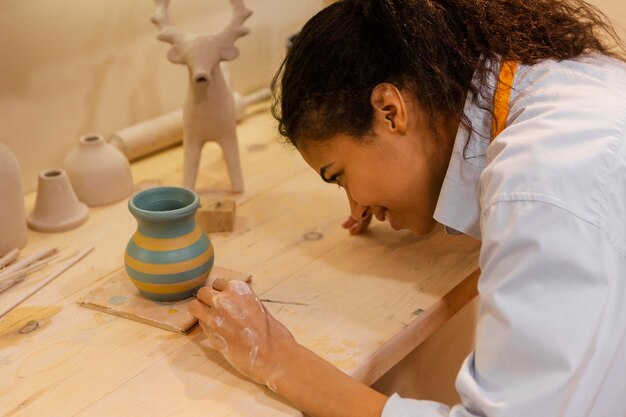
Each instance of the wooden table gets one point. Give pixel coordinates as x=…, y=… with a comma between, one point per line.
x=370, y=299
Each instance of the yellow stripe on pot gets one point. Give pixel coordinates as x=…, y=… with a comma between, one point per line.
x=171, y=288
x=156, y=244
x=173, y=268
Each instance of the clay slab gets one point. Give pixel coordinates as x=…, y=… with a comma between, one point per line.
x=117, y=296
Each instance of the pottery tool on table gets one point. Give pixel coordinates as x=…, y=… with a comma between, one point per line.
x=62, y=268
x=118, y=296
x=8, y=258
x=162, y=132
x=19, y=276
x=292, y=303
x=18, y=272
x=18, y=266
x=149, y=136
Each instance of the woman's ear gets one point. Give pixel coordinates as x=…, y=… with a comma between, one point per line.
x=390, y=111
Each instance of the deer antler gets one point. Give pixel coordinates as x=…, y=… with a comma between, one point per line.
x=161, y=17
x=234, y=30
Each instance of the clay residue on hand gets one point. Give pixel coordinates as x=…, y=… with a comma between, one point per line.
x=231, y=309
x=242, y=288
x=252, y=358
x=218, y=342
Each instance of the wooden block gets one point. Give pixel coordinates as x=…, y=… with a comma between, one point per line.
x=216, y=215
x=118, y=296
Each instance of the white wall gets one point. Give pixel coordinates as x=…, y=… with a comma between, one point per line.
x=616, y=12
x=71, y=67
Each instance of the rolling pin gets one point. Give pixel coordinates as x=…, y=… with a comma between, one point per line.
x=156, y=134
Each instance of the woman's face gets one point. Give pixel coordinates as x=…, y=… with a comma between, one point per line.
x=396, y=174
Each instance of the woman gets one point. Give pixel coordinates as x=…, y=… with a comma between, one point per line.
x=502, y=119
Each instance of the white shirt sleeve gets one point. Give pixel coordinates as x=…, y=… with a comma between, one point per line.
x=551, y=319
x=407, y=407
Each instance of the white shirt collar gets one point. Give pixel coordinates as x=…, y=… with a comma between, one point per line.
x=458, y=207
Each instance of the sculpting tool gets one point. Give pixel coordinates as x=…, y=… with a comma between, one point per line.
x=26, y=262
x=294, y=303
x=65, y=266
x=18, y=276
x=9, y=257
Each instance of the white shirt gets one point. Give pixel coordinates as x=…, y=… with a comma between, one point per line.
x=548, y=200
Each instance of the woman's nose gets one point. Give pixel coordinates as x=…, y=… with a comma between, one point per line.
x=357, y=211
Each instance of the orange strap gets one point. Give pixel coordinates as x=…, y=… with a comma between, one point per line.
x=502, y=97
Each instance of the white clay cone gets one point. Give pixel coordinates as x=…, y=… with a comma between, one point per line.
x=57, y=208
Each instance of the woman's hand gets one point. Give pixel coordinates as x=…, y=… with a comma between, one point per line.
x=357, y=226
x=238, y=326
x=260, y=347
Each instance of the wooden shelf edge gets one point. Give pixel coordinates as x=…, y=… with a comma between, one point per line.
x=418, y=330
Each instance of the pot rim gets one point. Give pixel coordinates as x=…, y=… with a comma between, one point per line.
x=90, y=139
x=191, y=203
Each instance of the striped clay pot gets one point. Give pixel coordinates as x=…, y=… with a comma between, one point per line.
x=169, y=257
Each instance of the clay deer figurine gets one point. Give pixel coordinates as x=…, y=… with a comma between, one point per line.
x=209, y=111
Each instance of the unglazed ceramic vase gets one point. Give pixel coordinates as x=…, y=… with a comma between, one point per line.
x=56, y=208
x=12, y=212
x=169, y=257
x=99, y=172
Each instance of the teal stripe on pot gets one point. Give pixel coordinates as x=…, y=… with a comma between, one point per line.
x=167, y=231
x=169, y=278
x=168, y=257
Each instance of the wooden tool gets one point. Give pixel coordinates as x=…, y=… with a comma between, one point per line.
x=65, y=266
x=26, y=262
x=9, y=257
x=293, y=303
x=18, y=276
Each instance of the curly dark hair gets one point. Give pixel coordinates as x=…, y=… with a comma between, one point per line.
x=433, y=48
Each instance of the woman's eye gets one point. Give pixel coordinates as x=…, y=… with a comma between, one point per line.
x=336, y=179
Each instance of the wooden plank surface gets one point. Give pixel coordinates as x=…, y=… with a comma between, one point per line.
x=367, y=299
